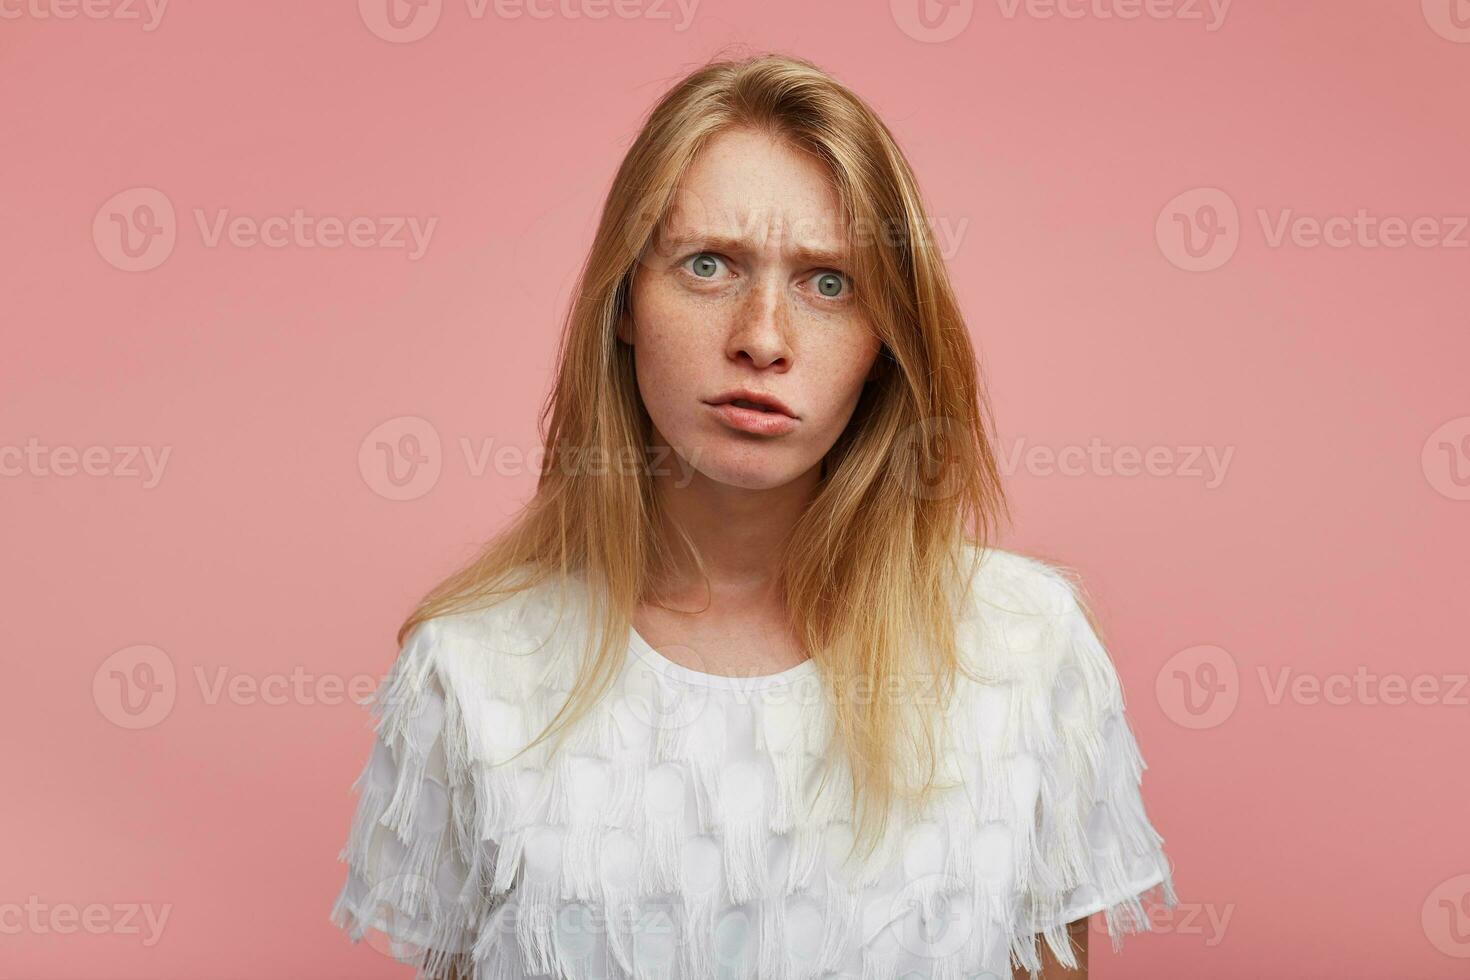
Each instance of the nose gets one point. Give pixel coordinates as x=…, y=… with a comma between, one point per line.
x=761, y=329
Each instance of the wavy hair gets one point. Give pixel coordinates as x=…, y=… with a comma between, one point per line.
x=869, y=571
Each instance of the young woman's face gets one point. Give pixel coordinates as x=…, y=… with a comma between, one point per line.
x=749, y=290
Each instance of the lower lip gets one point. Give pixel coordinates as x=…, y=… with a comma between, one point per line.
x=754, y=421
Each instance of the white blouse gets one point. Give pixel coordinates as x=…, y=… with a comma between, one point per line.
x=678, y=834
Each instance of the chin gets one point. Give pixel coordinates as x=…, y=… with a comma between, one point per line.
x=755, y=467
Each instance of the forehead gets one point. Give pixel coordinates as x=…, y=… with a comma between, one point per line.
x=753, y=187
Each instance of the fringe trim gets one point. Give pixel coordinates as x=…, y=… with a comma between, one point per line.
x=1094, y=848
x=396, y=864
x=1046, y=824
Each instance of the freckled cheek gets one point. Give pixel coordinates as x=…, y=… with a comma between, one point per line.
x=842, y=368
x=674, y=356
x=679, y=336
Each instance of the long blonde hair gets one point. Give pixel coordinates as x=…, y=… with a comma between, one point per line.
x=868, y=572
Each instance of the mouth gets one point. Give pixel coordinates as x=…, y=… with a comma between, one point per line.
x=754, y=401
x=752, y=413
x=743, y=403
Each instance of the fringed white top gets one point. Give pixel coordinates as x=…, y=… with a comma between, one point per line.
x=678, y=835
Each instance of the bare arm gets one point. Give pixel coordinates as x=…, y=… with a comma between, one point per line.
x=1050, y=968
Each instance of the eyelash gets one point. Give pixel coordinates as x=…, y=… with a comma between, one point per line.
x=831, y=299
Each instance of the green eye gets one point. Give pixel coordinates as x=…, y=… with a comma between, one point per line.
x=830, y=284
x=705, y=265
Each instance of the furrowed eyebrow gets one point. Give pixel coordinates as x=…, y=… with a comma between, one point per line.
x=806, y=254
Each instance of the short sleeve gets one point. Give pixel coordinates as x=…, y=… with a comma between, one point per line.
x=1095, y=849
x=415, y=861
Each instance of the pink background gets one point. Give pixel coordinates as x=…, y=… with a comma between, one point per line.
x=1312, y=836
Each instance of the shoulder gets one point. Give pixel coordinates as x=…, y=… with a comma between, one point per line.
x=1023, y=583
x=1026, y=623
x=1019, y=613
x=501, y=667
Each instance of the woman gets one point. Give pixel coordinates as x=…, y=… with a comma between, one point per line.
x=744, y=692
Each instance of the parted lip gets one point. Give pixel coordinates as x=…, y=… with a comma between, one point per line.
x=754, y=397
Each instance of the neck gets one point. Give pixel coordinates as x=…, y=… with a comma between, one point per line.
x=740, y=533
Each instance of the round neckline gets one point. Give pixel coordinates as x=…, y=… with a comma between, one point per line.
x=645, y=652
